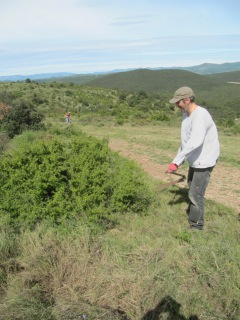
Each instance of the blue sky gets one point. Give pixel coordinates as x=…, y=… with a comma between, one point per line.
x=85, y=36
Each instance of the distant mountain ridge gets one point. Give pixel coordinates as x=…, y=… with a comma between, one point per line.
x=36, y=76
x=202, y=69
x=212, y=68
x=207, y=68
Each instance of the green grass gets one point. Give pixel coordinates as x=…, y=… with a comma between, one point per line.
x=165, y=138
x=149, y=266
x=230, y=149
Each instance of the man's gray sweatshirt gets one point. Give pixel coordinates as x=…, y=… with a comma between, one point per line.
x=200, y=145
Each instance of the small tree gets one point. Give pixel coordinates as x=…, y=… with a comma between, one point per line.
x=22, y=117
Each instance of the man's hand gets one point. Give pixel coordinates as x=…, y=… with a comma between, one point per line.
x=172, y=167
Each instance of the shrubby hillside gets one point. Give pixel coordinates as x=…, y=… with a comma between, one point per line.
x=84, y=234
x=215, y=92
x=154, y=81
x=87, y=103
x=140, y=105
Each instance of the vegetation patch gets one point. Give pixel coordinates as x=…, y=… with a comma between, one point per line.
x=68, y=187
x=19, y=117
x=76, y=178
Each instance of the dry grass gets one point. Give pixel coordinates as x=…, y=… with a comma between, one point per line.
x=145, y=262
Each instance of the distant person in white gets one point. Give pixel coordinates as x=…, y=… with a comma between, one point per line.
x=199, y=147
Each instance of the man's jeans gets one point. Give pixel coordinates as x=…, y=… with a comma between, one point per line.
x=198, y=181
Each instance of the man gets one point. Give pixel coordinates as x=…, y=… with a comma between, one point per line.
x=200, y=147
x=67, y=116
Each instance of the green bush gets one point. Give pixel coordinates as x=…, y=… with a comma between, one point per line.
x=80, y=178
x=230, y=126
x=160, y=116
x=22, y=117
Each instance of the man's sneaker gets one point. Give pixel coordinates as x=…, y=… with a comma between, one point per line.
x=196, y=228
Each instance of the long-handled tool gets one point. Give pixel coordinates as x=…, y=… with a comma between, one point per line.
x=172, y=183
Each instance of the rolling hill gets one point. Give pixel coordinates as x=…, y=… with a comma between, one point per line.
x=213, y=92
x=154, y=81
x=226, y=76
x=202, y=69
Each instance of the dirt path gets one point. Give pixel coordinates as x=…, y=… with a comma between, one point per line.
x=224, y=186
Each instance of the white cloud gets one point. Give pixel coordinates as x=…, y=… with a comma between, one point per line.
x=51, y=19
x=86, y=34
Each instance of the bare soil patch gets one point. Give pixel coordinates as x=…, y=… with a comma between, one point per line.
x=224, y=185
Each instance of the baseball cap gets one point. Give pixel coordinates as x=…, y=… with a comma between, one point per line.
x=182, y=93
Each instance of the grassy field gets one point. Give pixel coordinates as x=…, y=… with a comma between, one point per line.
x=149, y=266
x=154, y=147
x=162, y=137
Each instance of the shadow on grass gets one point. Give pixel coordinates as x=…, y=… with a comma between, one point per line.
x=169, y=307
x=180, y=195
